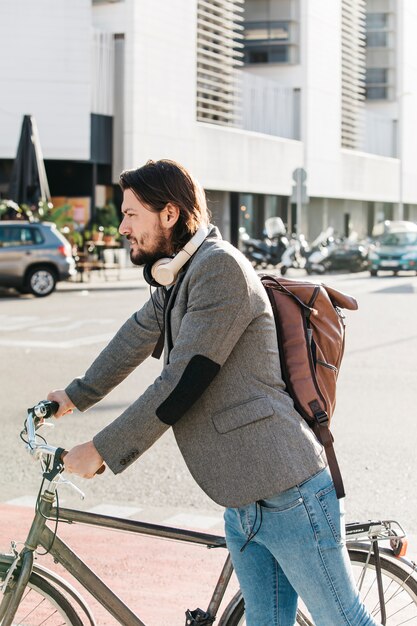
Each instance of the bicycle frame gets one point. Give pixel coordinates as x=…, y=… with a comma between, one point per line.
x=41, y=535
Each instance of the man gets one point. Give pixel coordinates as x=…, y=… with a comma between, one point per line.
x=222, y=392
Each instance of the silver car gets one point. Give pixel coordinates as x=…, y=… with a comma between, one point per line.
x=33, y=257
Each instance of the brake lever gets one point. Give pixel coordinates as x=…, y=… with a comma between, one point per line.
x=65, y=481
x=57, y=466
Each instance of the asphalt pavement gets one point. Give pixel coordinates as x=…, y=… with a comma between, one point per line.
x=45, y=342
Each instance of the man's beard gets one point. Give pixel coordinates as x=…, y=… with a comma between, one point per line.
x=160, y=249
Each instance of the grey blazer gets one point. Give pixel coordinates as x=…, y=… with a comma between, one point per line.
x=220, y=390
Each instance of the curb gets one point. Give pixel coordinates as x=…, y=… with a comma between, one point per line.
x=105, y=279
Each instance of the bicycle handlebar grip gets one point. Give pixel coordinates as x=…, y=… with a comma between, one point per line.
x=54, y=406
x=44, y=409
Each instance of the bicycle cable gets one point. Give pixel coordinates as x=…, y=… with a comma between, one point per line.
x=38, y=497
x=38, y=510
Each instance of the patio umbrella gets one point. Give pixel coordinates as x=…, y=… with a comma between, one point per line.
x=28, y=182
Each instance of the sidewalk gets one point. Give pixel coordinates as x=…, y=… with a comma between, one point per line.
x=129, y=277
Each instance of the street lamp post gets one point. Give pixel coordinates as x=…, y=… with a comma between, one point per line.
x=400, y=211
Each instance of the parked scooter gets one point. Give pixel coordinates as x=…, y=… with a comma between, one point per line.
x=299, y=251
x=269, y=250
x=295, y=255
x=345, y=254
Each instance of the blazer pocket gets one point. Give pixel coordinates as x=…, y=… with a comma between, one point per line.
x=242, y=414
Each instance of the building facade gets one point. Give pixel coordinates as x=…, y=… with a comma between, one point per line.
x=305, y=109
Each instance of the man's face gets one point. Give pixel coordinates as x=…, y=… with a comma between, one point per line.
x=149, y=241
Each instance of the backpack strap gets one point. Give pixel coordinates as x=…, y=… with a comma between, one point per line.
x=320, y=428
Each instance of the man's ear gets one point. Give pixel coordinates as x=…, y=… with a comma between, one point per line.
x=169, y=215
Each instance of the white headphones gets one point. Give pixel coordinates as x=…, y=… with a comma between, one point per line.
x=165, y=271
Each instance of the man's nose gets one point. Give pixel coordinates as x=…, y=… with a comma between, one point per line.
x=123, y=230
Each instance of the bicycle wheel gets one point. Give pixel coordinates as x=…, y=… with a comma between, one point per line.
x=41, y=604
x=400, y=593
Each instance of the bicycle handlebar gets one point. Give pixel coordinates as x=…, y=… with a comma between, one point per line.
x=35, y=417
x=45, y=409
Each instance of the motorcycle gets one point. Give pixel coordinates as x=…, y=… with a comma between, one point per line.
x=341, y=255
x=295, y=255
x=269, y=250
x=299, y=251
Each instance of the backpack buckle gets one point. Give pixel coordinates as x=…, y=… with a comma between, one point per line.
x=319, y=414
x=322, y=418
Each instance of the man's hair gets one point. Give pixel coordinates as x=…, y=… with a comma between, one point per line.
x=158, y=183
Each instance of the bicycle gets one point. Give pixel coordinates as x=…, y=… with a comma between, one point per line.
x=33, y=595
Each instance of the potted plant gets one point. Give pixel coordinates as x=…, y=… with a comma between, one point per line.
x=76, y=240
x=97, y=233
x=110, y=235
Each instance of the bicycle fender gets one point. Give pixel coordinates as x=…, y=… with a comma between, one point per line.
x=57, y=580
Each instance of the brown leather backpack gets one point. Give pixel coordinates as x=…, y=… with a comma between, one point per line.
x=311, y=340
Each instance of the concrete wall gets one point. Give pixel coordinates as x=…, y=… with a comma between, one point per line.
x=160, y=114
x=45, y=71
x=407, y=99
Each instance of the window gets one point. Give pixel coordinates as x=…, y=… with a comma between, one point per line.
x=376, y=93
x=19, y=236
x=377, y=30
x=376, y=39
x=375, y=75
x=379, y=42
x=376, y=83
x=399, y=239
x=376, y=21
x=267, y=42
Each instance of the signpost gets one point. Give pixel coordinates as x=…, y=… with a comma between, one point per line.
x=299, y=195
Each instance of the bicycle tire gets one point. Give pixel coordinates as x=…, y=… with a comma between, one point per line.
x=400, y=592
x=41, y=603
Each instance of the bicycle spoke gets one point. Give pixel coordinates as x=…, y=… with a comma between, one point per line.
x=33, y=610
x=42, y=606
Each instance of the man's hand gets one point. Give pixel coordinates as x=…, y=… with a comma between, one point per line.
x=83, y=460
x=65, y=404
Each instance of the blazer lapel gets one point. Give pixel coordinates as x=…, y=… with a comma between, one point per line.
x=172, y=296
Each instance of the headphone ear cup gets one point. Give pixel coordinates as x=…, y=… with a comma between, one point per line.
x=147, y=275
x=165, y=271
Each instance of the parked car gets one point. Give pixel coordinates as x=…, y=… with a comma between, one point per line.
x=393, y=226
x=33, y=257
x=394, y=251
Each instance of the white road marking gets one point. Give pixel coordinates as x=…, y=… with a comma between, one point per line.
x=115, y=510
x=189, y=520
x=59, y=328
x=194, y=521
x=26, y=501
x=37, y=324
x=54, y=345
x=9, y=323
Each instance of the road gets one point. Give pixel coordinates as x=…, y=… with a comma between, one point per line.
x=44, y=343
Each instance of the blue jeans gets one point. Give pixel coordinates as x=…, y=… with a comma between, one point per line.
x=296, y=547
